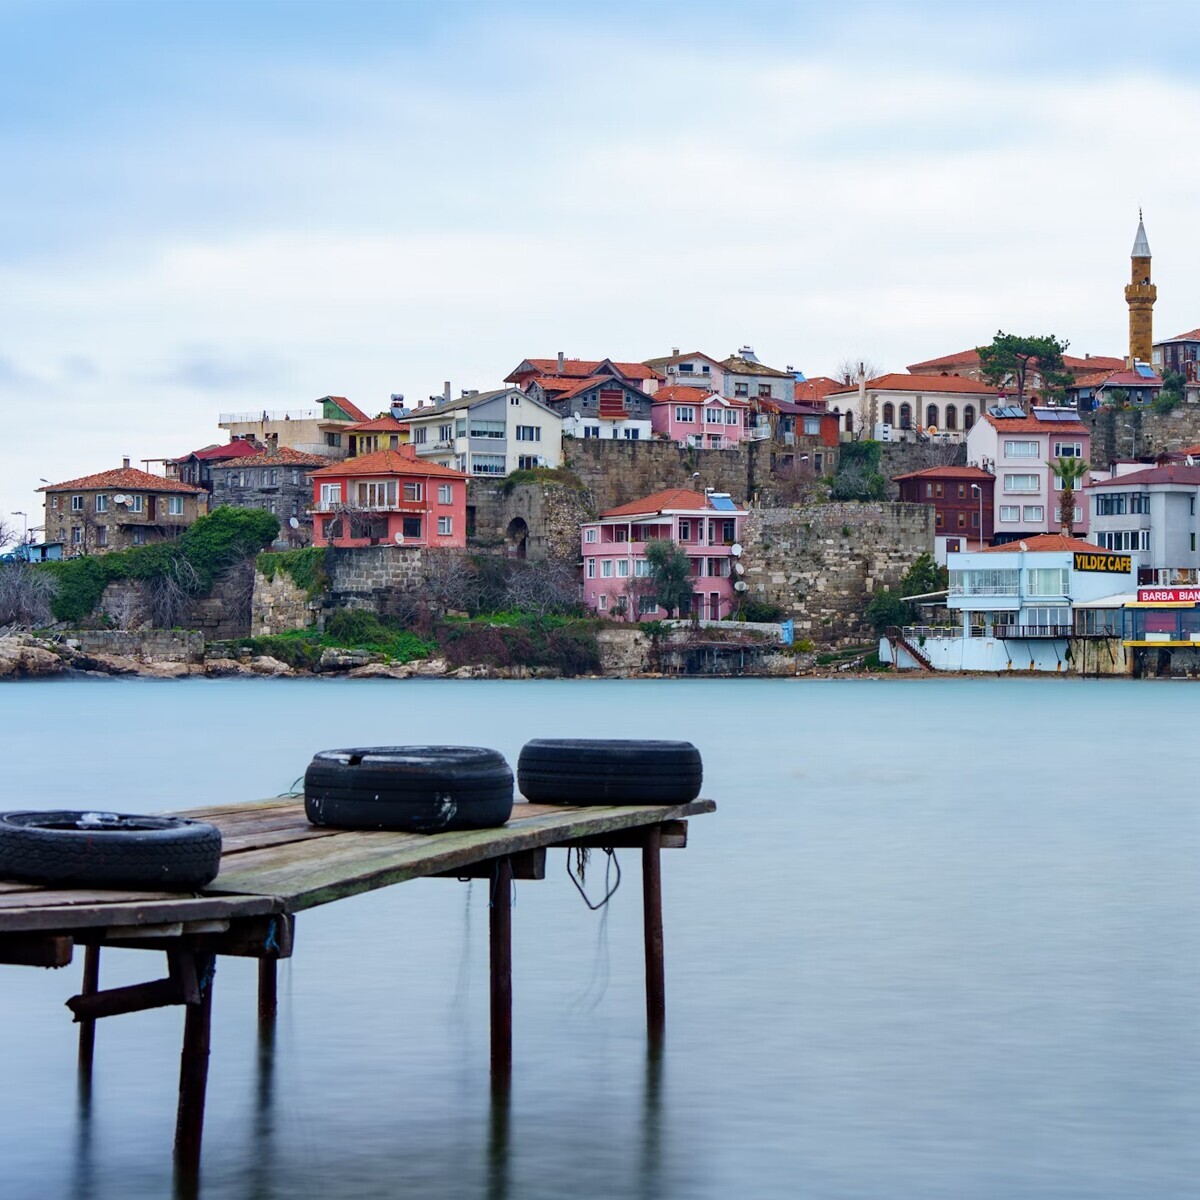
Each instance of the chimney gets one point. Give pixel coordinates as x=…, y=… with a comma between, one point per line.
x=560, y=362
x=674, y=351
x=446, y=392
x=125, y=463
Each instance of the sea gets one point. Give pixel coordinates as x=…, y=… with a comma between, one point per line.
x=939, y=941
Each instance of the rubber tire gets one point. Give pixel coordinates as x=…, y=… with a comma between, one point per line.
x=161, y=854
x=413, y=789
x=609, y=771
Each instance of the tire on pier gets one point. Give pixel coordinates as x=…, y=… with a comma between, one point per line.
x=102, y=849
x=609, y=771
x=411, y=789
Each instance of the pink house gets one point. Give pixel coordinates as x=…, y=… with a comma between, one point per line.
x=389, y=497
x=691, y=416
x=616, y=573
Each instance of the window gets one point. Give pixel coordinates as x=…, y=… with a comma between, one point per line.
x=514, y=401
x=1192, y=547
x=1014, y=449
x=969, y=417
x=938, y=519
x=1021, y=483
x=135, y=504
x=623, y=568
x=175, y=506
x=526, y=462
x=714, y=416
x=77, y=504
x=1068, y=449
x=646, y=605
x=445, y=494
x=333, y=439
x=54, y=502
x=445, y=526
x=295, y=508
x=1125, y=540
x=606, y=568
x=101, y=502
x=271, y=477
x=812, y=426
x=741, y=389
x=931, y=416
x=413, y=491
x=101, y=535
x=1077, y=514
x=529, y=433
x=687, y=368
x=487, y=464
x=591, y=568
x=411, y=527
x=962, y=491
x=685, y=531
x=591, y=535
x=641, y=568
x=460, y=427
x=951, y=417
x=446, y=432
x=631, y=434
x=962, y=520
x=1047, y=581
x=732, y=416
x=331, y=493
x=590, y=431
x=603, y=599
x=719, y=568
x=420, y=436
x=76, y=535
x=1010, y=512
x=139, y=535
x=764, y=390
x=929, y=491
x=488, y=429
x=1139, y=502
x=937, y=490
x=889, y=414
x=1111, y=505
x=295, y=475
x=685, y=414
x=1034, y=512
x=906, y=415
x=377, y=495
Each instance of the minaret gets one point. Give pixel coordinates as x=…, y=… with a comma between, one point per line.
x=1140, y=295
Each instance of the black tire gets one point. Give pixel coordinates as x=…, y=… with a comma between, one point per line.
x=414, y=789
x=609, y=771
x=94, y=849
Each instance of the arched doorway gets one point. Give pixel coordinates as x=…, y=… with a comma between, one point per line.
x=516, y=538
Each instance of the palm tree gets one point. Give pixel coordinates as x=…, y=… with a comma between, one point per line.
x=1069, y=472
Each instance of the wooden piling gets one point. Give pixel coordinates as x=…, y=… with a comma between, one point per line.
x=267, y=990
x=193, y=1071
x=656, y=996
x=500, y=942
x=87, y=1026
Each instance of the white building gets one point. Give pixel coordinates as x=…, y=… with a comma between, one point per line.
x=488, y=433
x=908, y=408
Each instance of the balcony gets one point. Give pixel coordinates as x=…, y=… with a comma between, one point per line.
x=1032, y=631
x=996, y=589
x=282, y=414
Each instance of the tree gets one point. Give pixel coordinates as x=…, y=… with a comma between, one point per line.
x=1011, y=358
x=670, y=574
x=1069, y=472
x=924, y=576
x=858, y=476
x=848, y=369
x=1171, y=396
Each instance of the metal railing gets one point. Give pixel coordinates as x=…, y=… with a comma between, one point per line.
x=999, y=589
x=282, y=414
x=1032, y=631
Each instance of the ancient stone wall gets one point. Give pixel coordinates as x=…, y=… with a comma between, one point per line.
x=225, y=612
x=543, y=518
x=901, y=458
x=279, y=605
x=163, y=645
x=372, y=576
x=1134, y=432
x=820, y=563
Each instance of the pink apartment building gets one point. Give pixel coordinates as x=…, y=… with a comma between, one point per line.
x=615, y=569
x=691, y=416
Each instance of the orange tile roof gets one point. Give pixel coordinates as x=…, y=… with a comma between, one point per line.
x=573, y=368
x=1171, y=473
x=681, y=394
x=238, y=448
x=386, y=424
x=387, y=462
x=1192, y=335
x=964, y=358
x=670, y=500
x=351, y=410
x=1035, y=425
x=122, y=478
x=1048, y=542
x=1093, y=362
x=896, y=381
x=812, y=390
x=973, y=473
x=284, y=456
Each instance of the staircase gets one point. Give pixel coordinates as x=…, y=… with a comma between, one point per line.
x=897, y=639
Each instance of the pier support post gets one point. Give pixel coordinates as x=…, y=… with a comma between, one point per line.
x=656, y=996
x=267, y=990
x=193, y=1071
x=87, y=1028
x=500, y=943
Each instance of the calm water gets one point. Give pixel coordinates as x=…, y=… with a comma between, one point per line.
x=903, y=959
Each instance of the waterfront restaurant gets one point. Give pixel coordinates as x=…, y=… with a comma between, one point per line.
x=1163, y=617
x=1016, y=604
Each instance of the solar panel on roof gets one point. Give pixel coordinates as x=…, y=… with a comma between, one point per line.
x=1145, y=371
x=722, y=503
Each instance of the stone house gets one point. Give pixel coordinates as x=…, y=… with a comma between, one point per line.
x=278, y=481
x=116, y=509
x=196, y=468
x=389, y=497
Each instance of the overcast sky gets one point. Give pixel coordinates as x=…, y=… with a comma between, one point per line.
x=214, y=207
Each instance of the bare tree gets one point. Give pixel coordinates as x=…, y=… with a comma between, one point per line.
x=446, y=579
x=541, y=588
x=25, y=595
x=849, y=367
x=796, y=480
x=169, y=593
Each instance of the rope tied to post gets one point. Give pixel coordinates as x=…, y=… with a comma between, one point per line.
x=577, y=877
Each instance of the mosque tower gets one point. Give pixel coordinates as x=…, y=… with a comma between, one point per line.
x=1140, y=295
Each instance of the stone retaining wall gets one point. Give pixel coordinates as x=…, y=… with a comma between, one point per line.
x=164, y=645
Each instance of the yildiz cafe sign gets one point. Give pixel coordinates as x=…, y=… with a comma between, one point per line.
x=1169, y=595
x=1115, y=564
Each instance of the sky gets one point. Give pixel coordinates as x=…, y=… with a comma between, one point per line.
x=217, y=207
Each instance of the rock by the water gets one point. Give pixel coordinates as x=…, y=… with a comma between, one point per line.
x=264, y=664
x=20, y=658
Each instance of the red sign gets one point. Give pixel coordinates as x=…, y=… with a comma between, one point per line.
x=1169, y=595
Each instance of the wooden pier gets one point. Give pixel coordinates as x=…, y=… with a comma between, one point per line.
x=274, y=864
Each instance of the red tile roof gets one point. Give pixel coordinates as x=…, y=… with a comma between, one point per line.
x=1093, y=362
x=574, y=368
x=284, y=456
x=351, y=410
x=964, y=358
x=973, y=473
x=1168, y=474
x=121, y=479
x=925, y=384
x=670, y=500
x=1036, y=425
x=681, y=394
x=387, y=462
x=238, y=448
x=386, y=424
x=1051, y=542
x=810, y=391
x=1192, y=335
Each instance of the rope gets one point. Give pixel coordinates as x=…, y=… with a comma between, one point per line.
x=295, y=791
x=272, y=943
x=581, y=857
x=512, y=888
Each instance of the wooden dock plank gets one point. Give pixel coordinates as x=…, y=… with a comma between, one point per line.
x=64, y=918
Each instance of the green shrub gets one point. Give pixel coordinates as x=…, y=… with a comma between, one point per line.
x=560, y=475
x=760, y=611
x=305, y=567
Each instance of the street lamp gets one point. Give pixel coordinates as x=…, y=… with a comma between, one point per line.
x=976, y=488
x=24, y=526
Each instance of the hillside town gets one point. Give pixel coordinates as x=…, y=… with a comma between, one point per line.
x=763, y=515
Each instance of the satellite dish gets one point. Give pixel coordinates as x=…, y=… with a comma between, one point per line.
x=736, y=549
x=739, y=568
x=741, y=586
x=119, y=498
x=1023, y=545
x=293, y=522
x=578, y=416
x=399, y=539
x=1191, y=462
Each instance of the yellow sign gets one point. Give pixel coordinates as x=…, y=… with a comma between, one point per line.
x=1115, y=564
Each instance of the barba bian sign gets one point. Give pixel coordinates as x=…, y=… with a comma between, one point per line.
x=1114, y=564
x=1169, y=595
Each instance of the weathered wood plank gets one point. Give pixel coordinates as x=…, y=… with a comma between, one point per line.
x=64, y=918
x=36, y=950
x=307, y=874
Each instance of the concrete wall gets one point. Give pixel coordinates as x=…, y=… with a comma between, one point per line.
x=820, y=563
